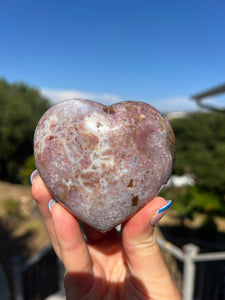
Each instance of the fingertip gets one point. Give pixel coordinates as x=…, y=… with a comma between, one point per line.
x=51, y=203
x=39, y=190
x=33, y=175
x=140, y=221
x=138, y=231
x=138, y=235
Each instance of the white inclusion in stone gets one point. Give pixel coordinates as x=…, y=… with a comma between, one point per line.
x=96, y=124
x=99, y=126
x=75, y=103
x=81, y=183
x=41, y=134
x=68, y=183
x=98, y=159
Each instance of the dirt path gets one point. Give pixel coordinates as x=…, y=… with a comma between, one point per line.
x=25, y=230
x=9, y=190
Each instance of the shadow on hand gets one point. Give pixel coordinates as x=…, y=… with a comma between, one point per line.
x=85, y=286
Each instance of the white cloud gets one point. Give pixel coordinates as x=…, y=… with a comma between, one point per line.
x=217, y=101
x=60, y=95
x=173, y=104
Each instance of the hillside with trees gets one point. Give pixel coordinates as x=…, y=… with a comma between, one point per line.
x=21, y=107
x=200, y=144
x=200, y=147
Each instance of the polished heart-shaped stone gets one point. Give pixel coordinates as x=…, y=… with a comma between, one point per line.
x=104, y=163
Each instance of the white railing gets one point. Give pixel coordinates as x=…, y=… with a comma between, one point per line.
x=189, y=255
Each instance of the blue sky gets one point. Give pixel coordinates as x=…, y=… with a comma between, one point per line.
x=160, y=52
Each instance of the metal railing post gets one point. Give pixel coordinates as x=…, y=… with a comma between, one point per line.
x=17, y=277
x=61, y=277
x=190, y=252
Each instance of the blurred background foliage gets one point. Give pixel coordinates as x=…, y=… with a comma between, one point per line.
x=200, y=152
x=200, y=144
x=21, y=107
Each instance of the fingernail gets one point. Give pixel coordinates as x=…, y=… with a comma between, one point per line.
x=51, y=203
x=33, y=175
x=160, y=213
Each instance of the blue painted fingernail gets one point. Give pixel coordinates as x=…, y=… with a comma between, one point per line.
x=33, y=175
x=165, y=207
x=51, y=203
x=160, y=213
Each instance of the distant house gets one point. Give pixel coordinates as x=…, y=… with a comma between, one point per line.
x=176, y=115
x=180, y=181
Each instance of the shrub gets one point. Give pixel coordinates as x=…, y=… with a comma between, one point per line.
x=190, y=200
x=29, y=167
x=12, y=208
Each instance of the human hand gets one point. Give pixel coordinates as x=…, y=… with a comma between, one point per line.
x=112, y=265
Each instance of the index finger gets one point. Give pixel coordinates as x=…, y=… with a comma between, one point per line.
x=42, y=197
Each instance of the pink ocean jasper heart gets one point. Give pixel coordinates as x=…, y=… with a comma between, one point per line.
x=104, y=163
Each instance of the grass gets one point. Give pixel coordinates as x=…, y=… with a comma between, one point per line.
x=12, y=208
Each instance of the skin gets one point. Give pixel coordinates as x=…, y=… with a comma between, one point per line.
x=124, y=265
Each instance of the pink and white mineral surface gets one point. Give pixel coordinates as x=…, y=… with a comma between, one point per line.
x=104, y=163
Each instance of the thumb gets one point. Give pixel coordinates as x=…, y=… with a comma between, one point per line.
x=143, y=257
x=138, y=237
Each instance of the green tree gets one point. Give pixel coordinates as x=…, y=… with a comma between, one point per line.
x=21, y=107
x=200, y=143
